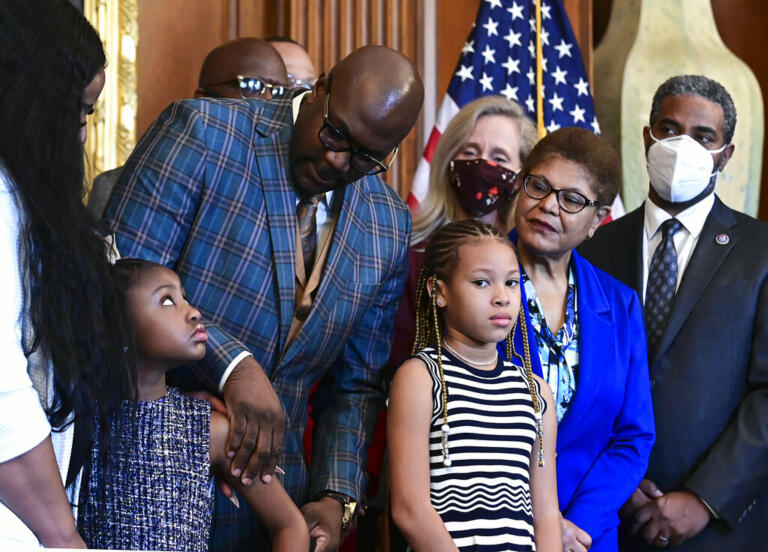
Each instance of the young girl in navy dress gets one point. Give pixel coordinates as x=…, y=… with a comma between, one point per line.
x=471, y=439
x=152, y=489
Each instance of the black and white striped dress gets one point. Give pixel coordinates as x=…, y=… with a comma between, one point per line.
x=484, y=497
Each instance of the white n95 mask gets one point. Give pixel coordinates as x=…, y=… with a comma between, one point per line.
x=679, y=167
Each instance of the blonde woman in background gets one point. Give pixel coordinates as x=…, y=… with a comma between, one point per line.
x=491, y=128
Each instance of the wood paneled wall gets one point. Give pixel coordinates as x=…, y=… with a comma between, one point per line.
x=742, y=28
x=331, y=29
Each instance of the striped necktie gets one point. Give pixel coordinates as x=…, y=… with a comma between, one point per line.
x=306, y=212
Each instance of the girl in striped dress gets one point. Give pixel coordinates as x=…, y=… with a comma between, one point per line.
x=471, y=437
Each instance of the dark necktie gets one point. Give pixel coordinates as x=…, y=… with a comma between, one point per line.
x=662, y=280
x=305, y=212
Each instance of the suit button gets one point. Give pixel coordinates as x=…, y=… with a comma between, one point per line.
x=653, y=384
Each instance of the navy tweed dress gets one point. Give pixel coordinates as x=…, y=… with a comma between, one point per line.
x=155, y=492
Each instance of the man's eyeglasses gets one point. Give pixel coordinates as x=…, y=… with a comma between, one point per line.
x=250, y=88
x=335, y=140
x=293, y=82
x=569, y=201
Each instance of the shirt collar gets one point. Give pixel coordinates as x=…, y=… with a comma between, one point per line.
x=692, y=219
x=295, y=105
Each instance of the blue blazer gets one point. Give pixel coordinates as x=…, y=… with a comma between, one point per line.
x=605, y=438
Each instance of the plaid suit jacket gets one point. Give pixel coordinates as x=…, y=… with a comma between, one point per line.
x=207, y=192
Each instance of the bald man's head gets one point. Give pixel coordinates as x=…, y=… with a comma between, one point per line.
x=249, y=58
x=301, y=70
x=369, y=111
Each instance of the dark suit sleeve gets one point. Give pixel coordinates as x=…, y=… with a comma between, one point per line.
x=155, y=202
x=619, y=468
x=735, y=470
x=353, y=389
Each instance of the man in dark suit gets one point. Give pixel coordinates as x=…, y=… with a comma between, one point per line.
x=701, y=268
x=296, y=254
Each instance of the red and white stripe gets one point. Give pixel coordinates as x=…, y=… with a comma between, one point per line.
x=420, y=184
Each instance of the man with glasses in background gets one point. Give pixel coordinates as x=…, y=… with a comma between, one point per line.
x=246, y=68
x=296, y=254
x=301, y=70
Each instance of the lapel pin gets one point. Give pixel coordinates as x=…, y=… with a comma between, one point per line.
x=722, y=239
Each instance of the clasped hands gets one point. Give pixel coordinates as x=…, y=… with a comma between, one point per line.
x=663, y=519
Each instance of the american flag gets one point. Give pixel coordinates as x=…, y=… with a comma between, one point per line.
x=500, y=57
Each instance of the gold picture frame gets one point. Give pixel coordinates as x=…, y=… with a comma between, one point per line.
x=112, y=128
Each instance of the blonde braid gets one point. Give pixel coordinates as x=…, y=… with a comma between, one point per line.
x=444, y=429
x=525, y=361
x=420, y=335
x=532, y=385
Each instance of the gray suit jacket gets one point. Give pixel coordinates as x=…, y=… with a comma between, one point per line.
x=709, y=378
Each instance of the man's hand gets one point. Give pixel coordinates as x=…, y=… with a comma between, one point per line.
x=324, y=523
x=575, y=539
x=644, y=494
x=672, y=519
x=256, y=422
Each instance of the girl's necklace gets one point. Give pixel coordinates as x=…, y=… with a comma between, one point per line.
x=470, y=361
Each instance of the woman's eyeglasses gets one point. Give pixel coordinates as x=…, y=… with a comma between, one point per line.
x=569, y=201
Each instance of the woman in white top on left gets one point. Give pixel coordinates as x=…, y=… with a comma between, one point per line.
x=62, y=325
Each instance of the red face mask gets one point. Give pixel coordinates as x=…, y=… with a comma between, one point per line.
x=481, y=186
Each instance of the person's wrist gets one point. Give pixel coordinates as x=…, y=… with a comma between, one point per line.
x=710, y=510
x=347, y=506
x=66, y=538
x=326, y=500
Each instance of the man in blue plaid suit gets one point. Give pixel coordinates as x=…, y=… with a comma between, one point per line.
x=211, y=191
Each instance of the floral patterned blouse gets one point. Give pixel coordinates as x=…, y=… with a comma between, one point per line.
x=559, y=352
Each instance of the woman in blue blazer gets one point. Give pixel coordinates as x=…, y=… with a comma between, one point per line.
x=585, y=335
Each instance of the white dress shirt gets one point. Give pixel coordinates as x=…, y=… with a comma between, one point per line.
x=692, y=219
